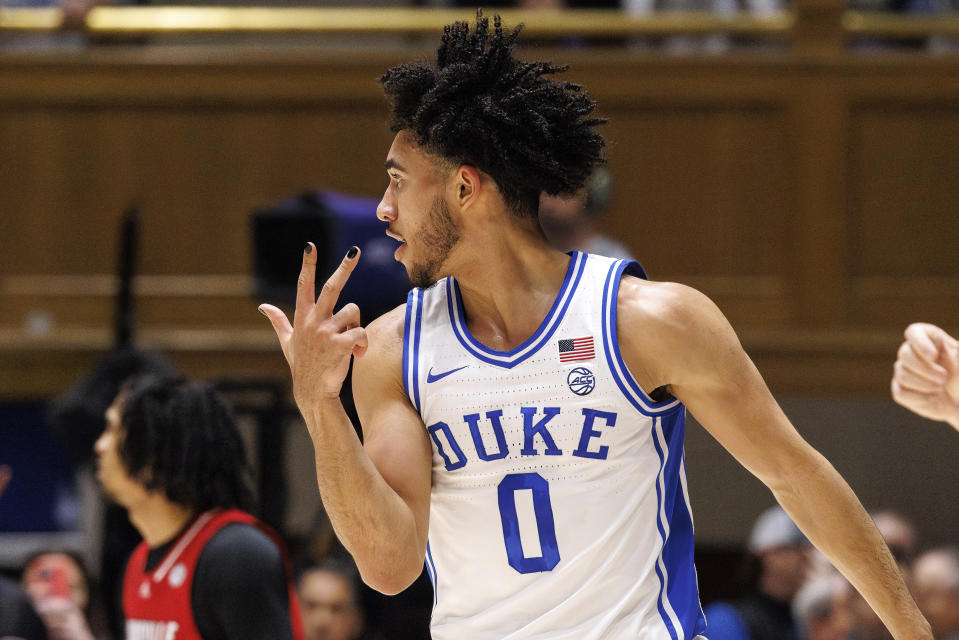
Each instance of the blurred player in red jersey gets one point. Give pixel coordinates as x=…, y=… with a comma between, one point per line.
x=171, y=454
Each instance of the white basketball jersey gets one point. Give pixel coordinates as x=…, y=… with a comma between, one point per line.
x=559, y=505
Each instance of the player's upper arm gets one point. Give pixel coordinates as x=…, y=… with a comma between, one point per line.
x=240, y=589
x=674, y=336
x=393, y=433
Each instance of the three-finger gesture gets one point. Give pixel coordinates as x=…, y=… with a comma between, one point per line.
x=318, y=344
x=926, y=374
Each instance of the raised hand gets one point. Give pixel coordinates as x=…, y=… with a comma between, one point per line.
x=319, y=343
x=926, y=374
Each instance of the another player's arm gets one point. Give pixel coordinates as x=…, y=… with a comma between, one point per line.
x=686, y=343
x=246, y=600
x=380, y=517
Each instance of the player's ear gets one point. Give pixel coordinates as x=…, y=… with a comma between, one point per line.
x=467, y=184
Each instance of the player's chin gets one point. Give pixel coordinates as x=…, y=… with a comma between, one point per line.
x=399, y=252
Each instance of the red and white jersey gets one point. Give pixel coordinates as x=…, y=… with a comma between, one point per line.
x=157, y=604
x=559, y=506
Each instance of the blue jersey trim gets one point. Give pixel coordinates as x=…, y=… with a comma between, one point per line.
x=617, y=366
x=416, y=351
x=431, y=570
x=411, y=346
x=661, y=570
x=679, y=591
x=509, y=359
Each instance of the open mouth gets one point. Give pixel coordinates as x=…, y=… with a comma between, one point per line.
x=398, y=238
x=395, y=236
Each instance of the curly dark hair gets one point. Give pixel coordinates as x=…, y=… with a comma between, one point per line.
x=479, y=105
x=180, y=438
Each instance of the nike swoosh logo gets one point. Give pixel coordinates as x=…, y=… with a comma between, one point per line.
x=439, y=376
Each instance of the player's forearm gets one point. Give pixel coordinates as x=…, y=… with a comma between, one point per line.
x=825, y=508
x=370, y=519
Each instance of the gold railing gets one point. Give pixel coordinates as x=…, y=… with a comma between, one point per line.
x=122, y=21
x=107, y=22
x=889, y=25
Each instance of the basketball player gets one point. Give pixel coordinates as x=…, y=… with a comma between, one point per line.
x=523, y=416
x=171, y=455
x=926, y=374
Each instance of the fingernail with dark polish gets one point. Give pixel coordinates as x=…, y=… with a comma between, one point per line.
x=352, y=252
x=309, y=248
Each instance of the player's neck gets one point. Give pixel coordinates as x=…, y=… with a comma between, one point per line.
x=508, y=291
x=158, y=520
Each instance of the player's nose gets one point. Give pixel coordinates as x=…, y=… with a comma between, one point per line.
x=386, y=209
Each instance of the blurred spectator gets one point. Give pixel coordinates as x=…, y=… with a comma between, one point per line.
x=765, y=614
x=171, y=454
x=18, y=620
x=6, y=473
x=329, y=601
x=59, y=587
x=900, y=536
x=936, y=585
x=821, y=608
x=74, y=19
x=405, y=616
x=570, y=223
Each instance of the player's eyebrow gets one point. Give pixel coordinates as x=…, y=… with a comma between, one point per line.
x=393, y=164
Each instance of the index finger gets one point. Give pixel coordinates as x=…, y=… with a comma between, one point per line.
x=335, y=283
x=305, y=291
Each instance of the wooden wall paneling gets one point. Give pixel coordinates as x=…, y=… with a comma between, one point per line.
x=906, y=160
x=819, y=133
x=738, y=175
x=903, y=161
x=702, y=175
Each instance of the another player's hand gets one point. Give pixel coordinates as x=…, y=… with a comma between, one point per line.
x=319, y=343
x=926, y=374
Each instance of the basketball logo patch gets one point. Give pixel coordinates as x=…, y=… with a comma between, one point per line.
x=177, y=575
x=581, y=381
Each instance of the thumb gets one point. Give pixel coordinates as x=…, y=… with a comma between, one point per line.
x=360, y=340
x=282, y=327
x=277, y=319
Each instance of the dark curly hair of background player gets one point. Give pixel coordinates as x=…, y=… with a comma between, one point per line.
x=180, y=438
x=479, y=105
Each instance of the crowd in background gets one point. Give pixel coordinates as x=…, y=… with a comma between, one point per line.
x=75, y=12
x=798, y=595
x=795, y=593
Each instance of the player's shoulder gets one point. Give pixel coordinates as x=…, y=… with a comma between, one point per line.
x=385, y=333
x=241, y=540
x=667, y=329
x=662, y=305
x=382, y=363
x=242, y=566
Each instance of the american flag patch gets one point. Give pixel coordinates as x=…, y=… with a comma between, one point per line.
x=575, y=349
